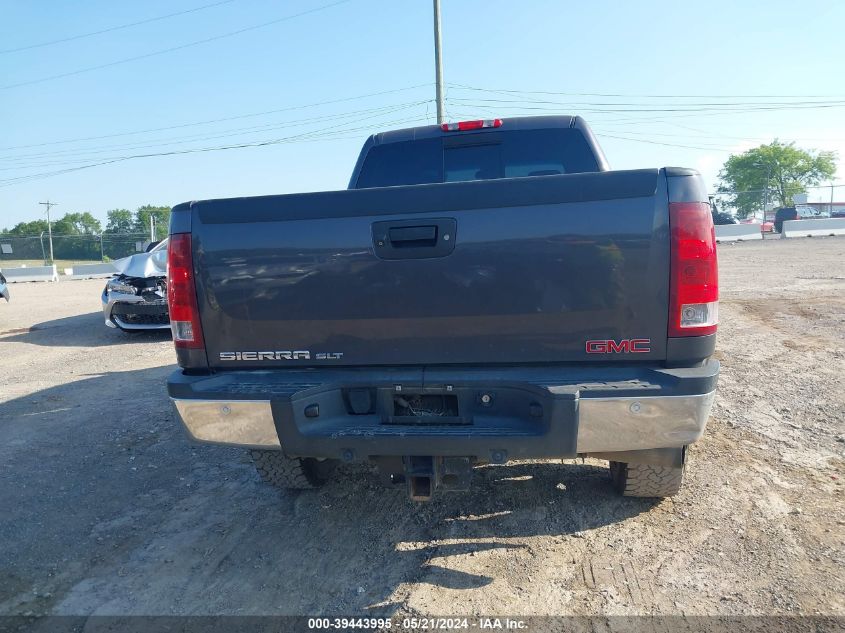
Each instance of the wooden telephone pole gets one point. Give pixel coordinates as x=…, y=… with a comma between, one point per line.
x=49, y=204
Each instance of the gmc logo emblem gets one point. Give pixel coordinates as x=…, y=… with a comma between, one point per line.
x=625, y=346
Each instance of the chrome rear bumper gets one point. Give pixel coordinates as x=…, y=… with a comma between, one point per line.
x=604, y=424
x=240, y=422
x=630, y=424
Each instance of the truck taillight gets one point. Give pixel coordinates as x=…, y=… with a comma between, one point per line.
x=182, y=293
x=694, y=277
x=463, y=126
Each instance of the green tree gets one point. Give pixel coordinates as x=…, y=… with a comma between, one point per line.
x=119, y=221
x=28, y=228
x=76, y=236
x=77, y=224
x=790, y=169
x=161, y=217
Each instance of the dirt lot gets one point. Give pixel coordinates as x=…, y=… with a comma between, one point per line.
x=107, y=509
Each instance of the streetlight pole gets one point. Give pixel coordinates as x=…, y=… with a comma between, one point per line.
x=831, y=200
x=49, y=204
x=438, y=65
x=766, y=190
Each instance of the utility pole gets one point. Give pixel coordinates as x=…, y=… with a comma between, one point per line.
x=831, y=199
x=766, y=194
x=49, y=204
x=438, y=64
x=152, y=228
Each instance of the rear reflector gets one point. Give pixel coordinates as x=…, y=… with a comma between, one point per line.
x=694, y=277
x=182, y=293
x=463, y=126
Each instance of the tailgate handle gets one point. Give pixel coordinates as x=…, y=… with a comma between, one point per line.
x=413, y=236
x=420, y=238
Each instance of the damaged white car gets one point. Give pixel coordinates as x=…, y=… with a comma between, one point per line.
x=136, y=297
x=4, y=291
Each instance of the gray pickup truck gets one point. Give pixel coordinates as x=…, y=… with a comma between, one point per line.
x=484, y=291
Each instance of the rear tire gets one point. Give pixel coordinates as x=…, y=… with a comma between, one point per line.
x=646, y=480
x=291, y=473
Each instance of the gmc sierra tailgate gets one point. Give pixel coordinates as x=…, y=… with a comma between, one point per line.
x=522, y=270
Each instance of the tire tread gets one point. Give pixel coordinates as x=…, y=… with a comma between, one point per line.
x=282, y=471
x=647, y=480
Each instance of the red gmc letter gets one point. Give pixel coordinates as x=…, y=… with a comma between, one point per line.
x=616, y=348
x=597, y=347
x=640, y=345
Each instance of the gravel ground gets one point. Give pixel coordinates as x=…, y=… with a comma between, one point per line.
x=105, y=508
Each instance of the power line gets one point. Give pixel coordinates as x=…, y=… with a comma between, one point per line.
x=639, y=96
x=795, y=138
x=710, y=147
x=40, y=176
x=113, y=28
x=313, y=135
x=691, y=108
x=205, y=136
x=716, y=105
x=89, y=154
x=530, y=110
x=665, y=117
x=686, y=106
x=333, y=136
x=172, y=48
x=720, y=136
x=640, y=140
x=598, y=132
x=219, y=120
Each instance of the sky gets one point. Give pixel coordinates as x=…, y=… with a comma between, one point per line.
x=109, y=105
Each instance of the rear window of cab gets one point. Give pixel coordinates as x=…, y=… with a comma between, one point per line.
x=480, y=156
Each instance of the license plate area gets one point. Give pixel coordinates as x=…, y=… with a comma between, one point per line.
x=426, y=409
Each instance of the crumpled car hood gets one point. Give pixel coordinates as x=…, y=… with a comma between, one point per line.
x=152, y=264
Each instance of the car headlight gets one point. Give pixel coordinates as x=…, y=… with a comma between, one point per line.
x=116, y=285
